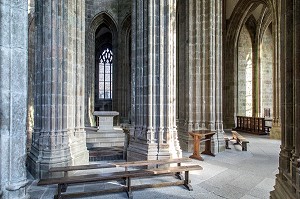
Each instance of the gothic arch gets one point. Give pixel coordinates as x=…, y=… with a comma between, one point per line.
x=102, y=18
x=241, y=13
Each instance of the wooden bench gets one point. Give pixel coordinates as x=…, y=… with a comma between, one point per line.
x=67, y=169
x=126, y=175
x=240, y=140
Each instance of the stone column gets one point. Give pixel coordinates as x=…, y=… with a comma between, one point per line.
x=297, y=77
x=286, y=70
x=296, y=71
x=13, y=98
x=276, y=126
x=154, y=81
x=31, y=4
x=287, y=181
x=59, y=138
x=31, y=65
x=203, y=73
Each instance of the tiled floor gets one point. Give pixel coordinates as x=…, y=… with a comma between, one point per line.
x=231, y=174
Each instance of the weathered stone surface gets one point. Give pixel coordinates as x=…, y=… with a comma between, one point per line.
x=153, y=114
x=199, y=71
x=59, y=136
x=13, y=98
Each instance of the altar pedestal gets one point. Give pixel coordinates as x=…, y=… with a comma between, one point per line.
x=107, y=135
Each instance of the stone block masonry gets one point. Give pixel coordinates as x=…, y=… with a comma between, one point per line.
x=13, y=98
x=59, y=137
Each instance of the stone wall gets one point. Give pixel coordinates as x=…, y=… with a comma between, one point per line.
x=244, y=82
x=266, y=73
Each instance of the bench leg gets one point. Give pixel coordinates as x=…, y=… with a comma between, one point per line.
x=244, y=146
x=64, y=187
x=60, y=189
x=227, y=144
x=187, y=181
x=128, y=186
x=237, y=142
x=178, y=174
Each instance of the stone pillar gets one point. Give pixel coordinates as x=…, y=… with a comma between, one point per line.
x=59, y=137
x=203, y=72
x=296, y=106
x=256, y=49
x=286, y=70
x=297, y=78
x=154, y=81
x=287, y=181
x=31, y=65
x=13, y=95
x=31, y=4
x=276, y=126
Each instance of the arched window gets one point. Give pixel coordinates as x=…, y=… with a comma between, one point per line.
x=105, y=74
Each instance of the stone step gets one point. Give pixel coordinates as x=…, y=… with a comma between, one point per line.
x=106, y=153
x=104, y=144
x=109, y=139
x=105, y=135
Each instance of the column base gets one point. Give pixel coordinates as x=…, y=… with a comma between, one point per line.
x=185, y=141
x=275, y=133
x=137, y=150
x=16, y=192
x=72, y=152
x=38, y=165
x=284, y=189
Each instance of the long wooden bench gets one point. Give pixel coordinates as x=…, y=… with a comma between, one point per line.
x=63, y=182
x=240, y=140
x=67, y=169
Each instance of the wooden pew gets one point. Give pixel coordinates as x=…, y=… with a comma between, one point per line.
x=63, y=182
x=240, y=140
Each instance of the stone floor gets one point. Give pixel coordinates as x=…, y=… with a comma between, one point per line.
x=230, y=174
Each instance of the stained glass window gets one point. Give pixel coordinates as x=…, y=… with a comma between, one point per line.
x=105, y=74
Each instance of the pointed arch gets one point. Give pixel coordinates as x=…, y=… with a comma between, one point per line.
x=100, y=20
x=242, y=12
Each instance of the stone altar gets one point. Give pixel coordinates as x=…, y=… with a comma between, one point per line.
x=105, y=119
x=107, y=135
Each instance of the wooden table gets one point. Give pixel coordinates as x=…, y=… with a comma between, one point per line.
x=202, y=136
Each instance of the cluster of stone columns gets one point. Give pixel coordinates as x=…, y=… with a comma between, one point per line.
x=59, y=137
x=200, y=70
x=13, y=98
x=276, y=124
x=154, y=133
x=288, y=180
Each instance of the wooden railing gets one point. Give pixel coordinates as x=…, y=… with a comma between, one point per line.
x=255, y=125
